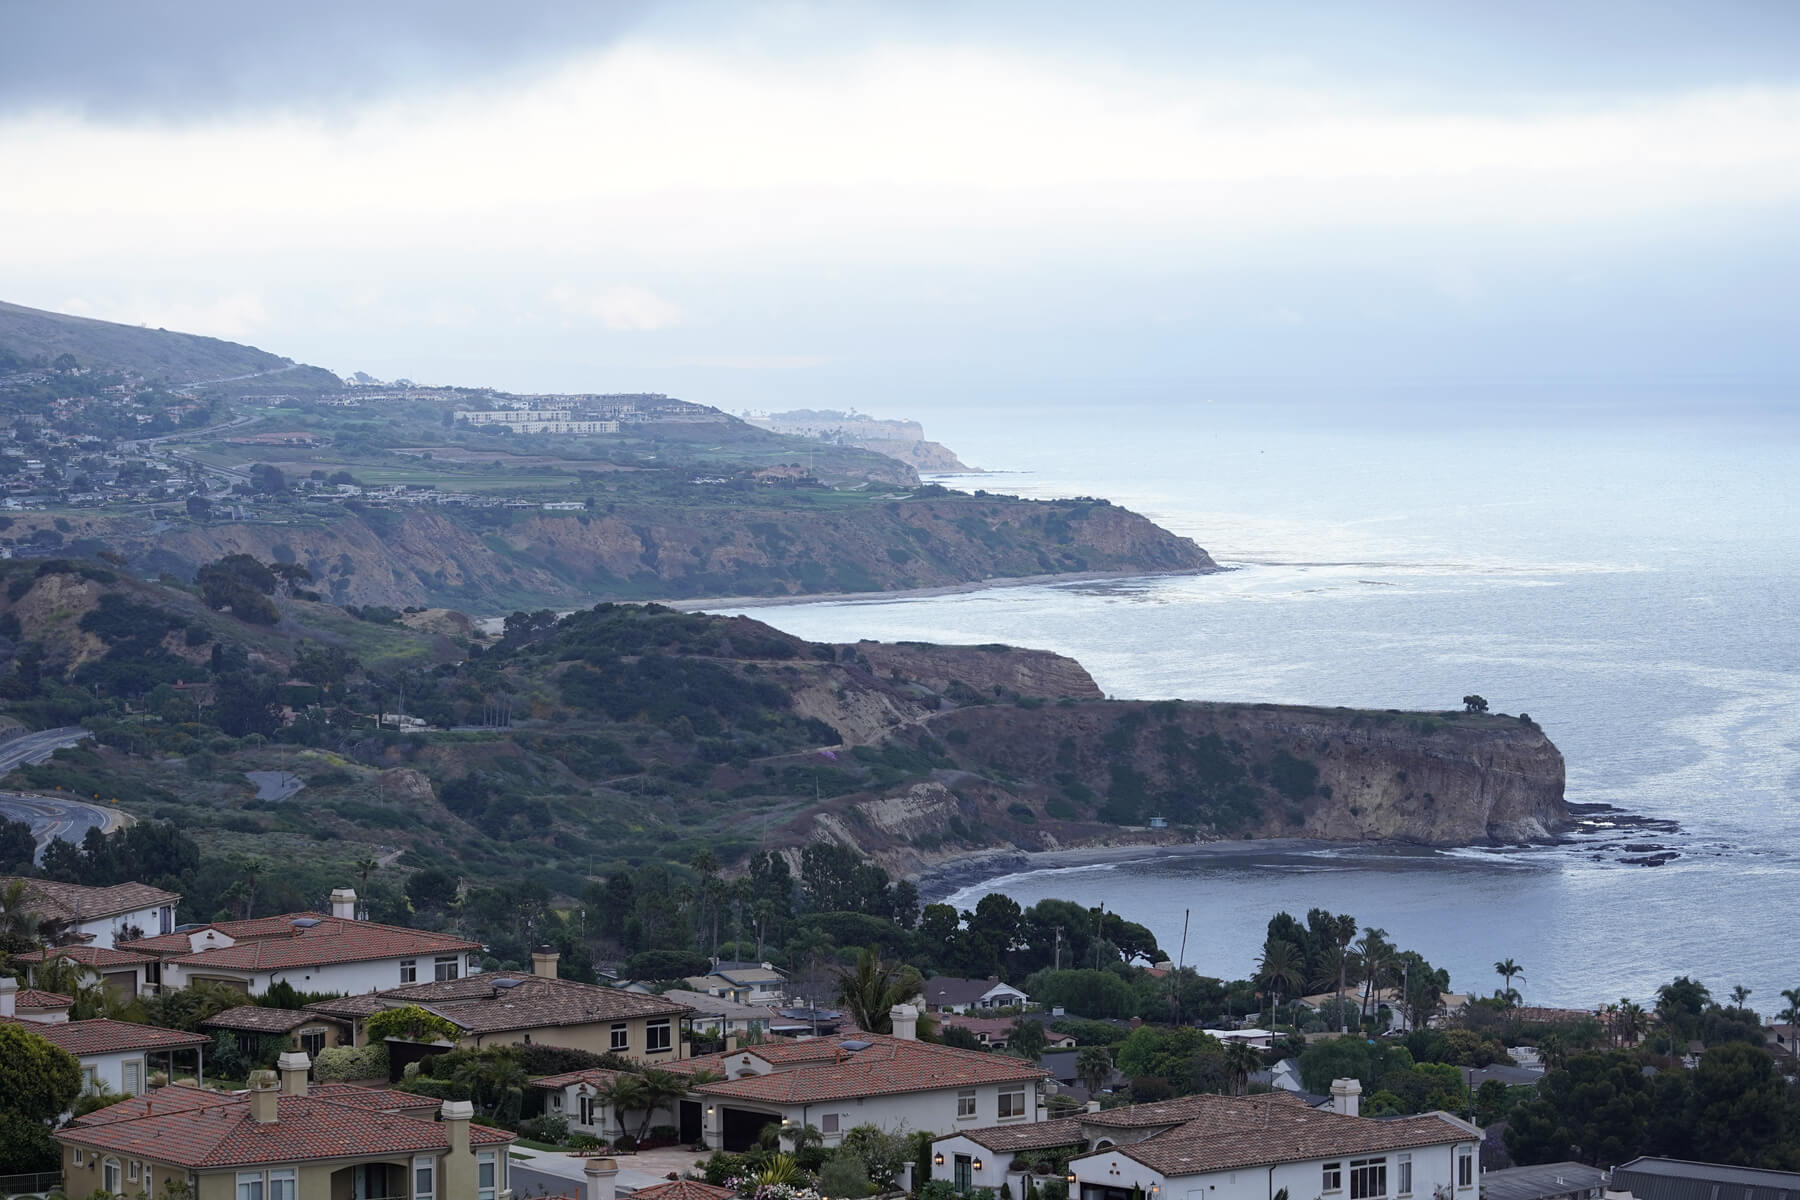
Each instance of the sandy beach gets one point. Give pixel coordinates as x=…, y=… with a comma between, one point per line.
x=953, y=875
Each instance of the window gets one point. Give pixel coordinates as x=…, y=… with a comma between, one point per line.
x=424, y=1179
x=1403, y=1171
x=621, y=1038
x=965, y=1175
x=1465, y=1169
x=132, y=1075
x=656, y=1036
x=447, y=968
x=1368, y=1178
x=1332, y=1177
x=109, y=1176
x=409, y=970
x=828, y=1123
x=312, y=1041
x=80, y=1157
x=165, y=920
x=283, y=1184
x=249, y=1185
x=1012, y=1104
x=965, y=1104
x=131, y=1170
x=487, y=1175
x=590, y=1110
x=90, y=1082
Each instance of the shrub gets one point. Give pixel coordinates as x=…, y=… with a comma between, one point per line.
x=342, y=1063
x=843, y=1175
x=552, y=1128
x=722, y=1167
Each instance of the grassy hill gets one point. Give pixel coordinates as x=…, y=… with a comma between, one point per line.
x=30, y=335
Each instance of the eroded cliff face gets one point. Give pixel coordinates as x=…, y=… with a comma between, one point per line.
x=1095, y=773
x=487, y=561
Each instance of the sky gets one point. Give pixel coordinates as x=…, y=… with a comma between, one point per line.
x=915, y=207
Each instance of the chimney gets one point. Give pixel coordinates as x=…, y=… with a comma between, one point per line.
x=602, y=1179
x=459, y=1164
x=343, y=903
x=1093, y=1106
x=293, y=1066
x=731, y=1042
x=9, y=996
x=265, y=1092
x=543, y=962
x=906, y=1022
x=1346, y=1097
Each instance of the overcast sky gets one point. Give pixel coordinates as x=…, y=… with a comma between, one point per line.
x=917, y=206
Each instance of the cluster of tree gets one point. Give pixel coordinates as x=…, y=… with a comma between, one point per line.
x=1326, y=954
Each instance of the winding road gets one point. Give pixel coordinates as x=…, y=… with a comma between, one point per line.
x=52, y=816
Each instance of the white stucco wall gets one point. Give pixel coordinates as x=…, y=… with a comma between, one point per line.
x=349, y=979
x=1433, y=1169
x=105, y=930
x=907, y=1112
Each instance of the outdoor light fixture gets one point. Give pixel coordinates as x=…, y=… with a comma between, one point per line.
x=977, y=1164
x=710, y=1110
x=937, y=1160
x=1156, y=1189
x=1070, y=1177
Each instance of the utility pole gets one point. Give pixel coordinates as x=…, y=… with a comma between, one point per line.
x=1058, y=958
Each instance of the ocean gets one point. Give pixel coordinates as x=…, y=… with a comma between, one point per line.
x=1627, y=576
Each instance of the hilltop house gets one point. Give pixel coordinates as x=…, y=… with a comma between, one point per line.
x=115, y=1056
x=745, y=983
x=835, y=1084
x=282, y=1143
x=99, y=916
x=312, y=952
x=947, y=993
x=503, y=1008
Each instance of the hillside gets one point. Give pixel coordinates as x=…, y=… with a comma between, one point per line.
x=31, y=334
x=633, y=733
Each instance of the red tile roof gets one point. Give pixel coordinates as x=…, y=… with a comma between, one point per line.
x=174, y=1128
x=684, y=1189
x=103, y=1036
x=33, y=998
x=1233, y=1132
x=161, y=943
x=888, y=1066
x=374, y=1099
x=78, y=902
x=1011, y=1139
x=254, y=1018
x=594, y=1077
x=777, y=1052
x=276, y=943
x=87, y=956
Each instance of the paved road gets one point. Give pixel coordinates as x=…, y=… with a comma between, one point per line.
x=541, y=1173
x=52, y=816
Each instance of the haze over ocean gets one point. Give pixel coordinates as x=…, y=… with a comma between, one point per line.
x=1626, y=576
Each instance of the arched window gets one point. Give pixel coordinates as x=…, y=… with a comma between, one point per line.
x=110, y=1177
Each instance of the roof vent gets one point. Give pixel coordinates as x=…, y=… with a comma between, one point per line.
x=304, y=922
x=853, y=1046
x=507, y=984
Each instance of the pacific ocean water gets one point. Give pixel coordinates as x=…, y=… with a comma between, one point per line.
x=1626, y=576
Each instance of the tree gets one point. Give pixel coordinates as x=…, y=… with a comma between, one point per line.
x=431, y=889
x=410, y=1023
x=18, y=849
x=1506, y=968
x=1739, y=1110
x=1791, y=1014
x=1739, y=994
x=1375, y=951
x=19, y=921
x=1281, y=969
x=870, y=989
x=1343, y=928
x=1596, y=1110
x=644, y=1093
x=1027, y=1038
x=1241, y=1059
x=38, y=1083
x=1093, y=1067
x=1474, y=704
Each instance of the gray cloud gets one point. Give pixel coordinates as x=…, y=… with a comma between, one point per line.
x=177, y=60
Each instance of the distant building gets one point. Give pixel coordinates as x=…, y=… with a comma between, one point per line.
x=537, y=420
x=1676, y=1179
x=1546, y=1181
x=100, y=916
x=947, y=993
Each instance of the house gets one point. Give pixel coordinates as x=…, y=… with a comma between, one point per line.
x=892, y=1081
x=746, y=983
x=313, y=952
x=719, y=1016
x=1546, y=1181
x=947, y=993
x=124, y=973
x=580, y=1096
x=115, y=1056
x=306, y=1031
x=504, y=1008
x=281, y=1143
x=1675, y=1179
x=100, y=916
x=994, y=1033
x=1249, y=1147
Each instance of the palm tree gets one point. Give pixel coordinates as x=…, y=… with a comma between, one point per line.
x=1093, y=1067
x=1375, y=951
x=1241, y=1058
x=1739, y=994
x=1631, y=1021
x=1506, y=968
x=365, y=867
x=1344, y=929
x=1281, y=967
x=871, y=988
x=252, y=868
x=1791, y=1014
x=802, y=1136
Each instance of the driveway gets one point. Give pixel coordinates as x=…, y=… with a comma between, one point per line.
x=546, y=1173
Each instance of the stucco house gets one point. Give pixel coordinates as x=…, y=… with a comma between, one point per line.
x=282, y=1143
x=125, y=973
x=746, y=983
x=948, y=993
x=100, y=916
x=115, y=1056
x=503, y=1008
x=306, y=1031
x=835, y=1084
